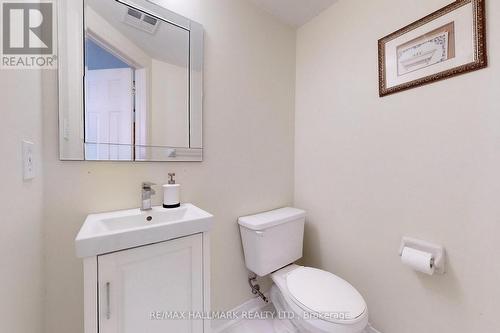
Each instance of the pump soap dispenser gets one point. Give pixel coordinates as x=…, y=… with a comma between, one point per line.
x=171, y=193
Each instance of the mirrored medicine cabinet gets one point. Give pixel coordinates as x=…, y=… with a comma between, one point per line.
x=130, y=82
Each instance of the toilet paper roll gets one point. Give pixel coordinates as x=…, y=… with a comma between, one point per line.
x=418, y=260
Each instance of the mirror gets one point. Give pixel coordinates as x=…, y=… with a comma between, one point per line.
x=141, y=93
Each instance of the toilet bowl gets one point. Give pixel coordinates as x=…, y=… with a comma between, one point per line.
x=316, y=301
x=307, y=300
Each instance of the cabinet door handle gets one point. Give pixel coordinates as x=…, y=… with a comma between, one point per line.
x=108, y=307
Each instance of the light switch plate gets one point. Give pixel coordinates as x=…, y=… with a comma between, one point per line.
x=28, y=160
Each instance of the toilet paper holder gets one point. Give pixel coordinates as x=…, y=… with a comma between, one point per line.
x=437, y=251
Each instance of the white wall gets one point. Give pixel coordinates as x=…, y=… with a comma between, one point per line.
x=21, y=275
x=247, y=167
x=423, y=163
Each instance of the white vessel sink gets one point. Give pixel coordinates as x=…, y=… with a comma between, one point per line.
x=114, y=231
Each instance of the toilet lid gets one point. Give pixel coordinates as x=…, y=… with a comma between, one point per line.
x=324, y=293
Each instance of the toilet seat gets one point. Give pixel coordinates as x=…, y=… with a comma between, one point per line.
x=325, y=295
x=284, y=300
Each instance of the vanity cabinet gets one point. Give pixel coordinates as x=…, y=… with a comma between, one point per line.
x=149, y=288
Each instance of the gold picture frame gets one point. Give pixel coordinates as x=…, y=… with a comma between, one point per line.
x=449, y=42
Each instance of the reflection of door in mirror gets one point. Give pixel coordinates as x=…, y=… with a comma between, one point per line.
x=108, y=105
x=136, y=84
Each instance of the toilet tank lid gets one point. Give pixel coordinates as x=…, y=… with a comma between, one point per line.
x=271, y=218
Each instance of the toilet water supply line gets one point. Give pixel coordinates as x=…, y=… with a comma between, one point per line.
x=252, y=281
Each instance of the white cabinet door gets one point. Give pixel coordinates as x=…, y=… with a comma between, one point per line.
x=164, y=277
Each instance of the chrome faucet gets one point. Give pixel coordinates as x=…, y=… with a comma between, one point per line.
x=146, y=193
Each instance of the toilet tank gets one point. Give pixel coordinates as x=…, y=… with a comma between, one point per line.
x=273, y=239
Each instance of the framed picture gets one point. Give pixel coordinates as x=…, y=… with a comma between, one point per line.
x=446, y=43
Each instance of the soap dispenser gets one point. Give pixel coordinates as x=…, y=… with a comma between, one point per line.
x=171, y=193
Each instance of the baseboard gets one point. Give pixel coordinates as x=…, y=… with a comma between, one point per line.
x=255, y=304
x=370, y=329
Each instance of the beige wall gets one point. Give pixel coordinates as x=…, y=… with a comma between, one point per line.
x=248, y=162
x=169, y=105
x=21, y=275
x=423, y=163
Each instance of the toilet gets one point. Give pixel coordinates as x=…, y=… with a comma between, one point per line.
x=307, y=300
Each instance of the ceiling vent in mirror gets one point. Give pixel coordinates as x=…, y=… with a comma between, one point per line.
x=141, y=21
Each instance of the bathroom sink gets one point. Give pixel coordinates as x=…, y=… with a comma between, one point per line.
x=119, y=230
